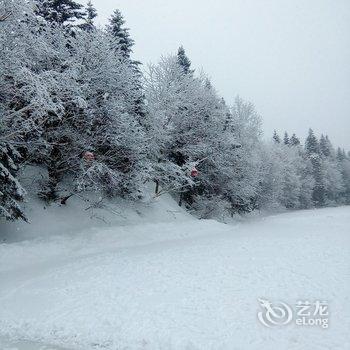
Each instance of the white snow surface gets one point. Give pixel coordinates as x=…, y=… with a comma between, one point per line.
x=181, y=284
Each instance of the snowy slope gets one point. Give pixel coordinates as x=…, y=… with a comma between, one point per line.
x=185, y=284
x=85, y=211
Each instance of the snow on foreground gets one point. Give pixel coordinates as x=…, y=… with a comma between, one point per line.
x=185, y=284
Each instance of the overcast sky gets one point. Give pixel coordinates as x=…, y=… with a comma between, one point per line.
x=291, y=58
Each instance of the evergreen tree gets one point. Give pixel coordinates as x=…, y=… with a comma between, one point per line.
x=341, y=155
x=343, y=162
x=312, y=149
x=294, y=141
x=326, y=147
x=122, y=39
x=311, y=144
x=276, y=137
x=319, y=189
x=122, y=44
x=184, y=61
x=333, y=182
x=11, y=192
x=60, y=11
x=91, y=14
x=323, y=146
x=286, y=139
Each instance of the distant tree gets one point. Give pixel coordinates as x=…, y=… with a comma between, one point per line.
x=323, y=146
x=332, y=177
x=294, y=141
x=312, y=149
x=184, y=61
x=341, y=155
x=121, y=44
x=276, y=137
x=60, y=11
x=122, y=40
x=286, y=138
x=343, y=161
x=326, y=147
x=311, y=144
x=91, y=14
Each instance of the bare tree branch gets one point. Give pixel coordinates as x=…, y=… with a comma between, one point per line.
x=5, y=16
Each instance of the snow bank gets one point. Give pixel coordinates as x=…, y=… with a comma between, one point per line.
x=85, y=212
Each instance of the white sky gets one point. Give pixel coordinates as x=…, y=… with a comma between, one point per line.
x=291, y=58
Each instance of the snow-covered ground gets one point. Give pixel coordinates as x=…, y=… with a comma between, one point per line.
x=182, y=284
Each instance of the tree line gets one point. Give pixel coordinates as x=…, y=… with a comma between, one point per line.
x=75, y=103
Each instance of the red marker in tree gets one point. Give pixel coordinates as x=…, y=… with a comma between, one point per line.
x=194, y=172
x=89, y=156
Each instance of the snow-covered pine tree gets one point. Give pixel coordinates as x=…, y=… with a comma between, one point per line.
x=343, y=161
x=122, y=40
x=312, y=149
x=11, y=192
x=91, y=14
x=341, y=154
x=286, y=140
x=184, y=61
x=333, y=180
x=311, y=144
x=324, y=146
x=304, y=171
x=60, y=11
x=122, y=43
x=276, y=138
x=294, y=141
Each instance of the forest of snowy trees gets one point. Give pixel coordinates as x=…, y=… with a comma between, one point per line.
x=74, y=102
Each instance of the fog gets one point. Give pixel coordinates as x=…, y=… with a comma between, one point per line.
x=289, y=57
